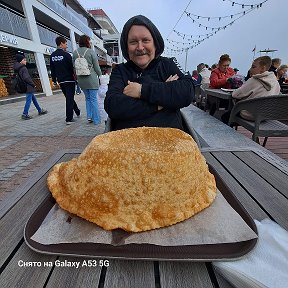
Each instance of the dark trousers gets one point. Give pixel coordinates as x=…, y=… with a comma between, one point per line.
x=68, y=89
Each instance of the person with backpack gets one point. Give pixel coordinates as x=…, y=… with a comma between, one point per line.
x=62, y=71
x=87, y=70
x=25, y=84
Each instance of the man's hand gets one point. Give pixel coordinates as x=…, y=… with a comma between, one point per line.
x=172, y=78
x=133, y=89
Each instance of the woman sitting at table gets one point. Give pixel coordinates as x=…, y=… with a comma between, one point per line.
x=220, y=79
x=262, y=83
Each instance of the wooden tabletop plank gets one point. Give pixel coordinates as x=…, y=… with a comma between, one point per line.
x=13, y=222
x=274, y=203
x=130, y=273
x=223, y=283
x=269, y=172
x=16, y=275
x=255, y=211
x=81, y=276
x=184, y=275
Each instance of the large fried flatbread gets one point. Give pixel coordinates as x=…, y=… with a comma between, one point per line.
x=135, y=179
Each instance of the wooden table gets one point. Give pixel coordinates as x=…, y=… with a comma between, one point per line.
x=258, y=184
x=284, y=88
x=219, y=94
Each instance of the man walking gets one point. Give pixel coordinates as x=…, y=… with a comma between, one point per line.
x=62, y=71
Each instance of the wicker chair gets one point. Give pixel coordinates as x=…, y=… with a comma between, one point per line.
x=266, y=112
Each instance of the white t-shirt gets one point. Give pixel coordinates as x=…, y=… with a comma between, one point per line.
x=104, y=79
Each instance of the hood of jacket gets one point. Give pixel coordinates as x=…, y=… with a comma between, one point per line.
x=144, y=21
x=17, y=66
x=267, y=79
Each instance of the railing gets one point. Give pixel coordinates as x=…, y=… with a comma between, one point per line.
x=62, y=11
x=48, y=37
x=13, y=22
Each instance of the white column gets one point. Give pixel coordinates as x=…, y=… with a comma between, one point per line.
x=73, y=41
x=39, y=57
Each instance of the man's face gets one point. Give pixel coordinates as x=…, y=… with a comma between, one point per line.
x=64, y=45
x=256, y=68
x=141, y=48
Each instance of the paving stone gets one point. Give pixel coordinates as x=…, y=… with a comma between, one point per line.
x=25, y=146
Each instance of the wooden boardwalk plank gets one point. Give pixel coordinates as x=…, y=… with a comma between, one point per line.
x=277, y=145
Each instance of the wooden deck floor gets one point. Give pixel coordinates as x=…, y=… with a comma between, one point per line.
x=277, y=145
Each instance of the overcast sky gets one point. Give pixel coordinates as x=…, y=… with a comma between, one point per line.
x=265, y=27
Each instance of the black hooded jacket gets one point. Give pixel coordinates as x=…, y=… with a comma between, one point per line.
x=127, y=112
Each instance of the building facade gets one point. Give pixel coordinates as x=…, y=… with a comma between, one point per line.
x=31, y=26
x=109, y=33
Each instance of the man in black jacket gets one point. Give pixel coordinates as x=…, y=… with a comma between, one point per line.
x=148, y=90
x=62, y=71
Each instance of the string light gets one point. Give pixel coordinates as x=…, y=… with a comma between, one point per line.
x=203, y=37
x=246, y=5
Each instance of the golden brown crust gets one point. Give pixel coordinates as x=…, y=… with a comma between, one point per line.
x=135, y=179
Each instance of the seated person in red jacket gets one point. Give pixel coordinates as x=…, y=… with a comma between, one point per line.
x=220, y=79
x=147, y=90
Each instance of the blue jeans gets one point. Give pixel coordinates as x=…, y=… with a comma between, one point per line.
x=92, y=105
x=29, y=98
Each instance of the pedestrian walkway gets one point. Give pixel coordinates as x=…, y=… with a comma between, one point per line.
x=25, y=145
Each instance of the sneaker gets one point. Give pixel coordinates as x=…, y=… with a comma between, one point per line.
x=42, y=112
x=89, y=120
x=26, y=117
x=70, y=122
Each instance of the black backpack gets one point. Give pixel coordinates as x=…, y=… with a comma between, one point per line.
x=19, y=85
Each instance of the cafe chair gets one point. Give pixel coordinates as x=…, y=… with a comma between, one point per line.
x=203, y=98
x=268, y=113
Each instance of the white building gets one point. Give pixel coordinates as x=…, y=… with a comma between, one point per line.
x=109, y=33
x=31, y=26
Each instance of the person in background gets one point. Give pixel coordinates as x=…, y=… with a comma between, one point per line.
x=219, y=76
x=196, y=77
x=276, y=62
x=236, y=70
x=220, y=79
x=214, y=66
x=147, y=90
x=262, y=83
x=103, y=88
x=20, y=68
x=78, y=89
x=205, y=74
x=89, y=83
x=281, y=74
x=62, y=71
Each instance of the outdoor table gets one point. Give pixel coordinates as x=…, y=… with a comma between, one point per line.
x=220, y=94
x=258, y=182
x=284, y=88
